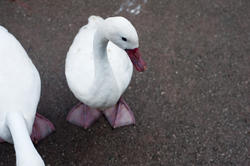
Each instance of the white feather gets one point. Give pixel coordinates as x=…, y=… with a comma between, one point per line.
x=100, y=88
x=20, y=87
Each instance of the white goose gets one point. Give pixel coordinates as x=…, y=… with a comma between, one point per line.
x=19, y=95
x=99, y=69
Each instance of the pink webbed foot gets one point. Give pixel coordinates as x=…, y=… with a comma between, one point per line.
x=42, y=127
x=1, y=140
x=120, y=115
x=83, y=116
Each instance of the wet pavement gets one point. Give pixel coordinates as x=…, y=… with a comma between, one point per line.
x=192, y=105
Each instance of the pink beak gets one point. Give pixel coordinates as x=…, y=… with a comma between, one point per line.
x=136, y=59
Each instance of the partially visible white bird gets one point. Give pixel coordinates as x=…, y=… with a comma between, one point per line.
x=99, y=69
x=20, y=87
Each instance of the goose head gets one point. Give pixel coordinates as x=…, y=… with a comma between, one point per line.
x=122, y=33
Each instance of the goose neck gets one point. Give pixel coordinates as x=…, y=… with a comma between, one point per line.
x=24, y=148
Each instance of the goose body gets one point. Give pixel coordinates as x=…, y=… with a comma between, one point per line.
x=98, y=69
x=20, y=87
x=115, y=74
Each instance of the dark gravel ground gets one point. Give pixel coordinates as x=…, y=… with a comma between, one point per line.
x=192, y=105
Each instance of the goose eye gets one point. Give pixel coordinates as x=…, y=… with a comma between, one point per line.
x=124, y=39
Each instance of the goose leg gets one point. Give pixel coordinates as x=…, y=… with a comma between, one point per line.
x=120, y=114
x=83, y=116
x=42, y=127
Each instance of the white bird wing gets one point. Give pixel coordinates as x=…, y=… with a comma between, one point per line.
x=79, y=67
x=18, y=75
